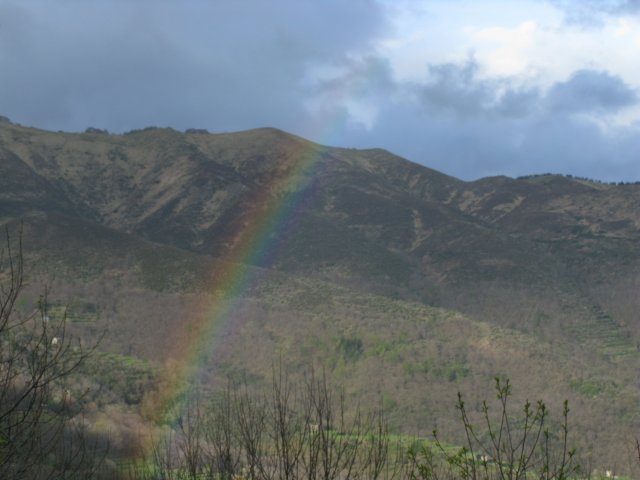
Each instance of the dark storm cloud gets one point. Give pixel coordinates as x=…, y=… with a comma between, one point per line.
x=589, y=90
x=456, y=89
x=222, y=65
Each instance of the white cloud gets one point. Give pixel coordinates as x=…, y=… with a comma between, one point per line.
x=532, y=45
x=532, y=39
x=509, y=49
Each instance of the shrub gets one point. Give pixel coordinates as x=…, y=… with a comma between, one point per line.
x=508, y=447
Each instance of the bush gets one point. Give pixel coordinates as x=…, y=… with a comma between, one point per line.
x=508, y=447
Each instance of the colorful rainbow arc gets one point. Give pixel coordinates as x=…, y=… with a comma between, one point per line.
x=273, y=207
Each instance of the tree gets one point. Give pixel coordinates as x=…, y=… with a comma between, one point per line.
x=39, y=436
x=297, y=430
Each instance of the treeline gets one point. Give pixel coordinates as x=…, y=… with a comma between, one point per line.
x=296, y=431
x=305, y=431
x=575, y=177
x=197, y=131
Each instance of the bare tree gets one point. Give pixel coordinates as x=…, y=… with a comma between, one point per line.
x=38, y=440
x=222, y=436
x=250, y=414
x=288, y=426
x=506, y=448
x=297, y=431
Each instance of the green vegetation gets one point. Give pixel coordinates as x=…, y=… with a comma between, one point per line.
x=351, y=348
x=118, y=378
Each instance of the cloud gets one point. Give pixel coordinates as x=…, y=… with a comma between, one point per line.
x=482, y=146
x=591, y=12
x=457, y=89
x=510, y=47
x=220, y=65
x=591, y=91
x=471, y=126
x=344, y=73
x=353, y=87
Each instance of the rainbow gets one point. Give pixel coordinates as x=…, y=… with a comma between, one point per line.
x=273, y=207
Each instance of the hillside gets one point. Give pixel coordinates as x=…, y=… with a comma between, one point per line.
x=364, y=218
x=405, y=283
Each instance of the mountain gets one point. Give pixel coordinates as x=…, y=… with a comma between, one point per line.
x=407, y=284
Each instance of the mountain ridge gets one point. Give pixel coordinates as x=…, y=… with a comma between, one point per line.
x=191, y=190
x=543, y=269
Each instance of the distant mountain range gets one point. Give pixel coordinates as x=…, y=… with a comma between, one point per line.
x=407, y=284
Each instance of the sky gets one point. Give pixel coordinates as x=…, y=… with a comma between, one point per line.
x=472, y=88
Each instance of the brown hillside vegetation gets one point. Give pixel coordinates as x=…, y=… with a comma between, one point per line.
x=405, y=284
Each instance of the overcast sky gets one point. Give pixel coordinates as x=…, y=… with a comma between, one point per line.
x=468, y=87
